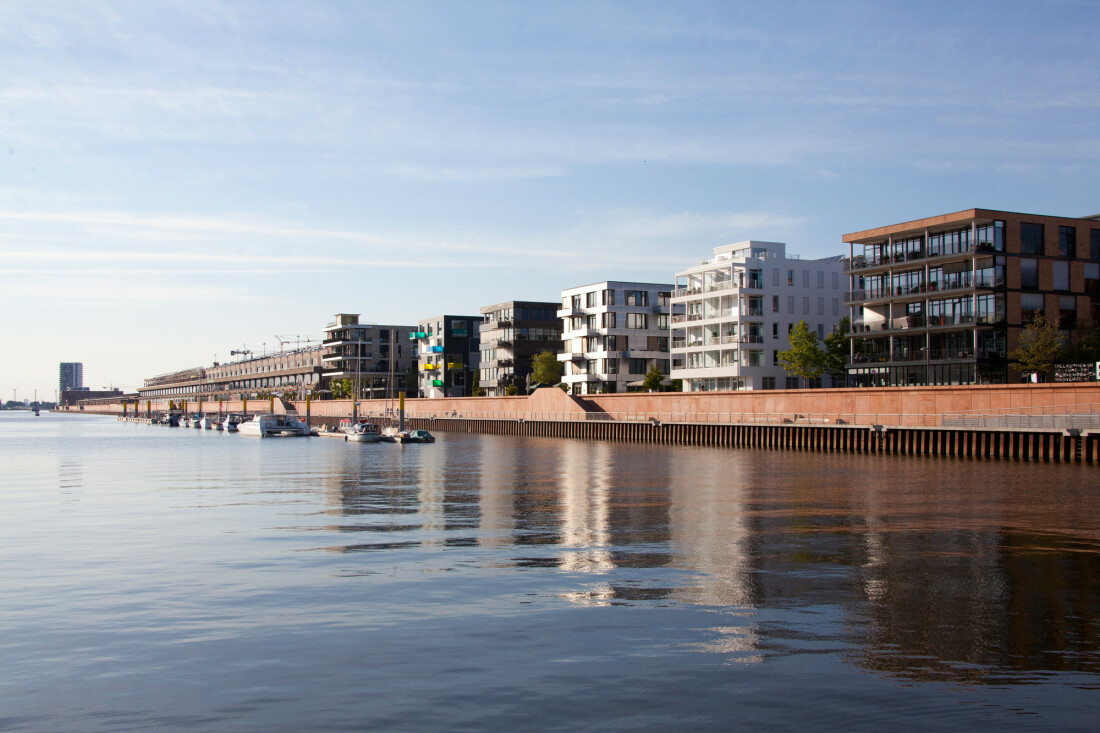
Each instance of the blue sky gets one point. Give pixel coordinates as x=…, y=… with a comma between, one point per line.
x=179, y=179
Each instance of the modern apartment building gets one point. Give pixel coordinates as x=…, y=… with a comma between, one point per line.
x=612, y=333
x=368, y=353
x=71, y=376
x=737, y=309
x=512, y=333
x=449, y=350
x=943, y=300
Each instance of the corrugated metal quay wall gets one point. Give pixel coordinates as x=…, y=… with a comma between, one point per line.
x=1028, y=445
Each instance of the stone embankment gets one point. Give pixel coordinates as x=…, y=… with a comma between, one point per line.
x=1029, y=422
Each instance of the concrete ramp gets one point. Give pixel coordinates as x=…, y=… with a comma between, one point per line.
x=552, y=401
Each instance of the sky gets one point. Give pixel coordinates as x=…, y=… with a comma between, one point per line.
x=182, y=179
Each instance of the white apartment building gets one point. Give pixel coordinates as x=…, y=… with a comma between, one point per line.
x=612, y=333
x=736, y=309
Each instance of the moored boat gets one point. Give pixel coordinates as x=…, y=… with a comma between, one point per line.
x=231, y=421
x=362, y=432
x=265, y=425
x=414, y=436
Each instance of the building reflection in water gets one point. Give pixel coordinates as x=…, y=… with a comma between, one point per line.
x=927, y=569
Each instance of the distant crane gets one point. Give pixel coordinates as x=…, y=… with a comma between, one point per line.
x=241, y=352
x=298, y=341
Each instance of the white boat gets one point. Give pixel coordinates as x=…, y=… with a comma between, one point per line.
x=208, y=422
x=361, y=432
x=266, y=425
x=196, y=421
x=231, y=421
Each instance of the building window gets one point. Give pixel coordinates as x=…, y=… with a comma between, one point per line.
x=775, y=358
x=1067, y=241
x=775, y=304
x=1031, y=238
x=820, y=280
x=637, y=297
x=790, y=303
x=1031, y=305
x=1094, y=244
x=775, y=276
x=775, y=330
x=836, y=280
x=805, y=278
x=638, y=366
x=790, y=278
x=1061, y=275
x=836, y=306
x=821, y=306
x=791, y=383
x=1029, y=273
x=637, y=320
x=806, y=305
x=1067, y=312
x=590, y=299
x=767, y=383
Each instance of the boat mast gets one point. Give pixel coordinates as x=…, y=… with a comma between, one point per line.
x=358, y=373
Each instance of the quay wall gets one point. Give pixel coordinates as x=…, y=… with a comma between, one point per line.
x=919, y=420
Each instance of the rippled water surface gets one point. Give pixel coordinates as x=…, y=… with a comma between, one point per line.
x=158, y=578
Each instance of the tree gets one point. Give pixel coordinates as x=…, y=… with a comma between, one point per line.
x=1039, y=347
x=343, y=389
x=653, y=379
x=545, y=368
x=511, y=390
x=836, y=351
x=804, y=359
x=1083, y=346
x=476, y=390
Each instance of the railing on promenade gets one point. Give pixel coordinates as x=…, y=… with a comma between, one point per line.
x=1063, y=417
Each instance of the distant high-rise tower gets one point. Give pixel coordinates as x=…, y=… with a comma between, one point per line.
x=72, y=375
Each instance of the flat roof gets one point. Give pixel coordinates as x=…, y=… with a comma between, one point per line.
x=945, y=220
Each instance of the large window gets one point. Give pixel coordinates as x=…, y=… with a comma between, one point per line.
x=637, y=297
x=637, y=320
x=1061, y=275
x=1031, y=305
x=948, y=243
x=1031, y=238
x=991, y=237
x=1094, y=244
x=1067, y=241
x=1029, y=273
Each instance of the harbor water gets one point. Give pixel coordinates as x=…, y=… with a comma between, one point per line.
x=156, y=578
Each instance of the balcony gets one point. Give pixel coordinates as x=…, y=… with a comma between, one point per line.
x=455, y=365
x=418, y=335
x=570, y=311
x=430, y=367
x=752, y=312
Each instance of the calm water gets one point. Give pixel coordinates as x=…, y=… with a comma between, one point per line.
x=157, y=578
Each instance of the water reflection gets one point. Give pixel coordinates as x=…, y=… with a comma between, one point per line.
x=926, y=569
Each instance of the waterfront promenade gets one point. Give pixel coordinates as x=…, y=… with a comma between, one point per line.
x=1046, y=422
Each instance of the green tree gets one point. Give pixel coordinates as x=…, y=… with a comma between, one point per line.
x=476, y=390
x=804, y=359
x=1039, y=347
x=653, y=379
x=1083, y=346
x=343, y=389
x=511, y=390
x=545, y=368
x=836, y=351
